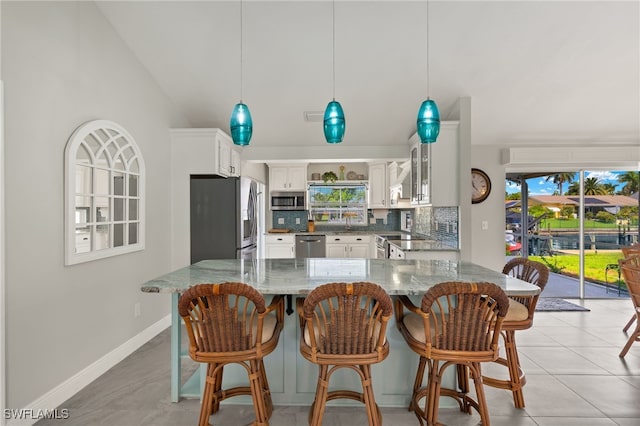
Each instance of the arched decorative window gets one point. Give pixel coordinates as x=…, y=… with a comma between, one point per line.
x=104, y=193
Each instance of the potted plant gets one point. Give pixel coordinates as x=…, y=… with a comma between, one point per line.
x=329, y=177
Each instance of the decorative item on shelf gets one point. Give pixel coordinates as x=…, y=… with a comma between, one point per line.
x=360, y=177
x=428, y=122
x=315, y=176
x=351, y=175
x=334, y=122
x=341, y=172
x=241, y=123
x=329, y=177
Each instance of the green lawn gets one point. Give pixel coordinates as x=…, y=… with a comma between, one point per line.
x=595, y=264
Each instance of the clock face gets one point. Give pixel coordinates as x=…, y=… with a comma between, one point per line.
x=480, y=186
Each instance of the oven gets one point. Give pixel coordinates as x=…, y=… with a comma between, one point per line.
x=382, y=247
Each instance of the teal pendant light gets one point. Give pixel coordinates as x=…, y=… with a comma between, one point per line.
x=241, y=123
x=428, y=122
x=334, y=122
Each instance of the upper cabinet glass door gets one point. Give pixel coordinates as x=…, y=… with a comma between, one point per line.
x=420, y=174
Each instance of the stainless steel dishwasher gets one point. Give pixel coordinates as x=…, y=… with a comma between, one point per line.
x=310, y=246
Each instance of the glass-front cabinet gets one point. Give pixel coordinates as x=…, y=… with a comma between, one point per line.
x=420, y=174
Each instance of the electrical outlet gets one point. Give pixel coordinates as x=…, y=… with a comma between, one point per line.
x=281, y=221
x=136, y=310
x=297, y=221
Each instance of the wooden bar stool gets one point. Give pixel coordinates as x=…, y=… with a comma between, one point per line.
x=519, y=317
x=458, y=323
x=343, y=325
x=229, y=324
x=630, y=267
x=631, y=250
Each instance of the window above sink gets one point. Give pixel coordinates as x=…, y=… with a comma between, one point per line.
x=338, y=204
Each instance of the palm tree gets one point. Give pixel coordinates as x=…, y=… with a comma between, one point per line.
x=631, y=182
x=592, y=186
x=609, y=188
x=561, y=178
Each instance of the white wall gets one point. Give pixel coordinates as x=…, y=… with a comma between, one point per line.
x=64, y=65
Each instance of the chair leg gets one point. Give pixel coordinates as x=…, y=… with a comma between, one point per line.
x=257, y=394
x=207, y=396
x=373, y=412
x=316, y=413
x=516, y=375
x=517, y=378
x=433, y=398
x=633, y=338
x=417, y=384
x=476, y=375
x=217, y=387
x=631, y=320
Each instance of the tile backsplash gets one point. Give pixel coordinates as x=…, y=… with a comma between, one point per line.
x=289, y=221
x=439, y=223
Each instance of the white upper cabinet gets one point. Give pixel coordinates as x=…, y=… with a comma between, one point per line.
x=287, y=178
x=378, y=186
x=206, y=151
x=228, y=161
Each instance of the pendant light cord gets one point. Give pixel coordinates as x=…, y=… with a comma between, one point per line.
x=333, y=34
x=241, y=64
x=428, y=62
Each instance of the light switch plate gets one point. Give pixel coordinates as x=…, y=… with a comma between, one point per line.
x=485, y=225
x=297, y=221
x=281, y=221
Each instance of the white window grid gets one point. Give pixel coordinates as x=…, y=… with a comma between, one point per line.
x=104, y=193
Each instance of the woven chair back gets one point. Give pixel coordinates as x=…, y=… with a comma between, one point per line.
x=222, y=317
x=527, y=270
x=631, y=250
x=465, y=317
x=347, y=318
x=631, y=272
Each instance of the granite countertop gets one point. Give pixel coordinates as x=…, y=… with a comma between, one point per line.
x=300, y=276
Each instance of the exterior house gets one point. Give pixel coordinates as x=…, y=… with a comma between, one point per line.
x=592, y=203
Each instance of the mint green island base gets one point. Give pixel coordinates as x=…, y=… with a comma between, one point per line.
x=292, y=379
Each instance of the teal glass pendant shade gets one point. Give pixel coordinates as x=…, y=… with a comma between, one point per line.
x=428, y=121
x=334, y=123
x=241, y=125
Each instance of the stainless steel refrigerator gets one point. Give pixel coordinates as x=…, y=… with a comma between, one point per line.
x=223, y=218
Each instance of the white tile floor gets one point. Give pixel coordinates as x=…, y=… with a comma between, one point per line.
x=574, y=377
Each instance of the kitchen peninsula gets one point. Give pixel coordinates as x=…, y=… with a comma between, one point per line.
x=291, y=380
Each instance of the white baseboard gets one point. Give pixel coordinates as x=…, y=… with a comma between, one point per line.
x=56, y=396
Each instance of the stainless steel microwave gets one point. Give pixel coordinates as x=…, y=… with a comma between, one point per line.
x=288, y=200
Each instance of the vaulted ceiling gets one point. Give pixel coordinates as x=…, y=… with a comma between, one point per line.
x=550, y=71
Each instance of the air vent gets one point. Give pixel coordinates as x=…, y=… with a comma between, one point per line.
x=313, y=116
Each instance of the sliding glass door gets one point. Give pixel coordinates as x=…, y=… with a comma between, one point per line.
x=575, y=222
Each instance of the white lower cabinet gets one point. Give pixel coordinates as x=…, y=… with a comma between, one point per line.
x=279, y=246
x=348, y=246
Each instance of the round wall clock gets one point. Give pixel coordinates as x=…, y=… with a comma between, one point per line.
x=480, y=186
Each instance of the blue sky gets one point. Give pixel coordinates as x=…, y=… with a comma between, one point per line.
x=539, y=186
